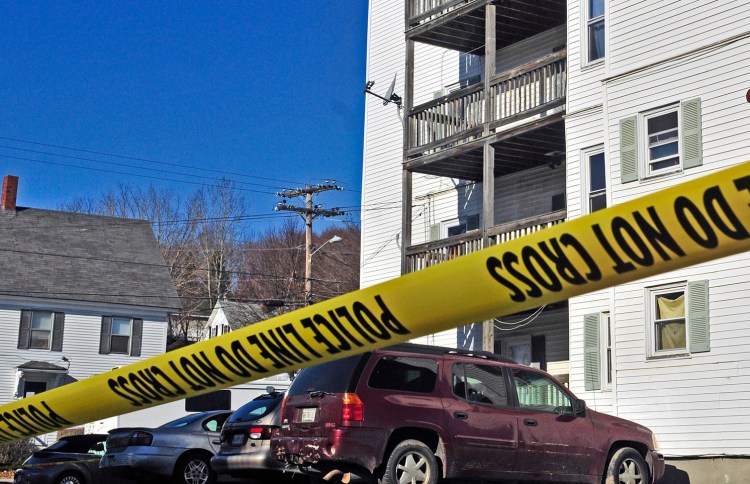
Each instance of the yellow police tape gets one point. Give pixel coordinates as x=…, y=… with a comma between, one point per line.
x=689, y=223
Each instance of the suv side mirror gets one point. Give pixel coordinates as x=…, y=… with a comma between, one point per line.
x=579, y=408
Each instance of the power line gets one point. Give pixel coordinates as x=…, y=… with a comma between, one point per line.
x=130, y=166
x=128, y=174
x=79, y=150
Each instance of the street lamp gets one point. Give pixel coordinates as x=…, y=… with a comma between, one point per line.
x=308, y=265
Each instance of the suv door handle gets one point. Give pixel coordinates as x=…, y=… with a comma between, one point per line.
x=530, y=422
x=461, y=415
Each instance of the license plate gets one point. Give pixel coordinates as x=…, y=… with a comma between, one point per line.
x=238, y=439
x=308, y=415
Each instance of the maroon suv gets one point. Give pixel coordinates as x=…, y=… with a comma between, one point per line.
x=412, y=413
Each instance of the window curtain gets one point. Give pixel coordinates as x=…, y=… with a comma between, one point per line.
x=672, y=334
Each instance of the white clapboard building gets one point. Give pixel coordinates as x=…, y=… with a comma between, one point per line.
x=520, y=114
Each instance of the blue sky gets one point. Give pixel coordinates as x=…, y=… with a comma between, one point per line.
x=270, y=89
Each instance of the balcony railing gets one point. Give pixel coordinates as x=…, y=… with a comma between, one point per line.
x=431, y=253
x=421, y=10
x=459, y=117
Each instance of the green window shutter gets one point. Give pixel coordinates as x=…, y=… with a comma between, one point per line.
x=591, y=357
x=434, y=232
x=698, y=316
x=135, y=343
x=24, y=330
x=58, y=327
x=629, y=149
x=105, y=341
x=692, y=140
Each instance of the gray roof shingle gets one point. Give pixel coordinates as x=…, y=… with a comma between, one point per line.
x=80, y=257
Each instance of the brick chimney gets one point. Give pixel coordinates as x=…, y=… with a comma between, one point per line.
x=10, y=190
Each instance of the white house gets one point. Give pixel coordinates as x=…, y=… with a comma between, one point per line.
x=79, y=295
x=521, y=114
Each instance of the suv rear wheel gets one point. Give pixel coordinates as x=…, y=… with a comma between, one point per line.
x=627, y=467
x=411, y=461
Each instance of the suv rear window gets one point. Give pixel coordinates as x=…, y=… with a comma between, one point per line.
x=332, y=377
x=402, y=373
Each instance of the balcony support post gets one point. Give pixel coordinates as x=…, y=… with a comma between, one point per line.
x=490, y=45
x=406, y=215
x=406, y=177
x=488, y=175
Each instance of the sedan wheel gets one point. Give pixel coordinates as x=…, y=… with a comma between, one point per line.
x=195, y=469
x=70, y=479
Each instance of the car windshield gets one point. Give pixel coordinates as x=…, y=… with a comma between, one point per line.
x=182, y=422
x=254, y=410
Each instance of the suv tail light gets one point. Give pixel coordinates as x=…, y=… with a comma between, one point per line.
x=352, y=410
x=139, y=438
x=260, y=432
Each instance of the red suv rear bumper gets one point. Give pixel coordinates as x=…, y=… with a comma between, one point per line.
x=359, y=447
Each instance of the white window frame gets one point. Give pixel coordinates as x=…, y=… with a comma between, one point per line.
x=646, y=162
x=607, y=364
x=449, y=224
x=651, y=293
x=49, y=331
x=587, y=23
x=586, y=155
x=129, y=335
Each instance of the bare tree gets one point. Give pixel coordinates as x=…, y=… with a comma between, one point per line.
x=274, y=265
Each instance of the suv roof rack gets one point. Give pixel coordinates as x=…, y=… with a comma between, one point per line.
x=442, y=350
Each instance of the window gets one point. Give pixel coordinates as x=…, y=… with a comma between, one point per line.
x=595, y=30
x=661, y=141
x=404, y=374
x=121, y=328
x=596, y=178
x=597, y=348
x=677, y=318
x=479, y=384
x=41, y=330
x=537, y=392
x=121, y=335
x=453, y=227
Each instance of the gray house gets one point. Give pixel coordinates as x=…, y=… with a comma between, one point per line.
x=79, y=295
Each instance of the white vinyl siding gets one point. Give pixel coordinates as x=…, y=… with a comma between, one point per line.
x=642, y=33
x=383, y=145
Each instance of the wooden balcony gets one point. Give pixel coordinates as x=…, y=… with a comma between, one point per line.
x=431, y=253
x=460, y=24
x=467, y=114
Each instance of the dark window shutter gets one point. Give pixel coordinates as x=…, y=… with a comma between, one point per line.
x=24, y=329
x=58, y=327
x=591, y=356
x=692, y=138
x=629, y=149
x=105, y=341
x=137, y=337
x=539, y=351
x=698, y=316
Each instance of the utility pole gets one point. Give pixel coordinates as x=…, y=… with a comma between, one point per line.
x=309, y=212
